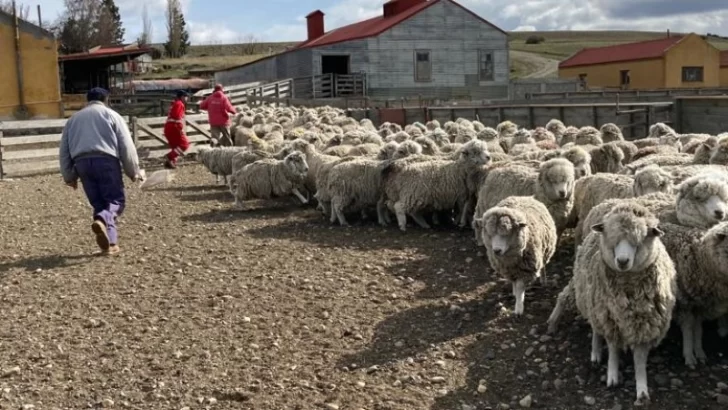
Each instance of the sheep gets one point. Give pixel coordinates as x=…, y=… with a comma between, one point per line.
x=556, y=127
x=269, y=178
x=431, y=185
x=611, y=132
x=581, y=160
x=242, y=135
x=625, y=286
x=542, y=134
x=552, y=184
x=588, y=136
x=659, y=160
x=606, y=158
x=655, y=150
x=569, y=135
x=659, y=129
x=701, y=260
x=652, y=179
x=679, y=173
x=487, y=134
x=218, y=160
x=356, y=184
x=701, y=202
x=520, y=239
x=596, y=188
x=506, y=129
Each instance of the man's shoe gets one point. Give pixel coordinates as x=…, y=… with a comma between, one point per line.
x=113, y=250
x=102, y=237
x=169, y=164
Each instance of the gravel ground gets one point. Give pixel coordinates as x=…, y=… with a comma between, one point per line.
x=273, y=308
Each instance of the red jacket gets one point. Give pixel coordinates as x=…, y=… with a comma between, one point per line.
x=175, y=118
x=218, y=106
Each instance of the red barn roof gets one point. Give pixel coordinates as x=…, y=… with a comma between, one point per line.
x=642, y=50
x=368, y=28
x=103, y=52
x=377, y=25
x=724, y=58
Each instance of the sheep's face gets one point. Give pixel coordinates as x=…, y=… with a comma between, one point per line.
x=651, y=179
x=703, y=200
x=719, y=154
x=432, y=125
x=488, y=134
x=659, y=129
x=716, y=240
x=387, y=151
x=614, y=157
x=296, y=163
x=506, y=129
x=582, y=169
x=523, y=137
x=627, y=239
x=406, y=149
x=504, y=231
x=428, y=146
x=556, y=178
x=475, y=153
x=542, y=134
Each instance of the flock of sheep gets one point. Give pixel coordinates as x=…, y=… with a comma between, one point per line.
x=648, y=215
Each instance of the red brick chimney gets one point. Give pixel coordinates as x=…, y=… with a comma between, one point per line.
x=393, y=7
x=315, y=24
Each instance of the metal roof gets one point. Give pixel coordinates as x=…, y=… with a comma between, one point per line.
x=106, y=52
x=643, y=50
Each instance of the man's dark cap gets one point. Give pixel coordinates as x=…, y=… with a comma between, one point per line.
x=96, y=94
x=181, y=93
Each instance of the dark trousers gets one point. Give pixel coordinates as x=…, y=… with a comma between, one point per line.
x=103, y=184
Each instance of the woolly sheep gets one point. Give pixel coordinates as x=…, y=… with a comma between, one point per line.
x=270, y=178
x=506, y=129
x=557, y=128
x=659, y=160
x=552, y=184
x=624, y=285
x=218, y=160
x=588, y=136
x=436, y=185
x=592, y=190
x=520, y=239
x=701, y=260
x=611, y=132
x=606, y=158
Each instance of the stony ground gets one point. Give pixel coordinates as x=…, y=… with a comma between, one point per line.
x=273, y=308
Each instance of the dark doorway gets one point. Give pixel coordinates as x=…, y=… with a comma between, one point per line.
x=334, y=64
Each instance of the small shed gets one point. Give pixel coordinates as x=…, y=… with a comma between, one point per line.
x=673, y=61
x=28, y=71
x=107, y=67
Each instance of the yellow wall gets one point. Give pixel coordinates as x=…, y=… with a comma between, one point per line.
x=692, y=51
x=644, y=74
x=724, y=76
x=39, y=57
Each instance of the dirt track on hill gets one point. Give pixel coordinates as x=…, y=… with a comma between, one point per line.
x=538, y=66
x=273, y=308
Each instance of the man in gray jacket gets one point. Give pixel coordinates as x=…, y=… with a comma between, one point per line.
x=95, y=145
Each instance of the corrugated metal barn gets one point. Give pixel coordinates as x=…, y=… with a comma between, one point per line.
x=432, y=48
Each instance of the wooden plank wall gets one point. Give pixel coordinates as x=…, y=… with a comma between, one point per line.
x=31, y=147
x=702, y=114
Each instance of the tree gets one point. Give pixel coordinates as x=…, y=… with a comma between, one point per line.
x=23, y=10
x=89, y=23
x=178, y=39
x=145, y=38
x=250, y=45
x=109, y=29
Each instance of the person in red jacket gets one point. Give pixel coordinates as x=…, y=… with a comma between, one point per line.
x=174, y=130
x=218, y=108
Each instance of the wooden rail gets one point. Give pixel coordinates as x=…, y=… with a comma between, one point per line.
x=31, y=147
x=666, y=93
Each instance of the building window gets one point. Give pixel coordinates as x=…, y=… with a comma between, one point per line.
x=624, y=78
x=485, y=66
x=423, y=66
x=692, y=74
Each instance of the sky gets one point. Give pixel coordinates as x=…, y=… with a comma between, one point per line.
x=234, y=21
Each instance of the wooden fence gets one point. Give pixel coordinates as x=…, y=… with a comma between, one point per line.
x=612, y=94
x=136, y=105
x=31, y=147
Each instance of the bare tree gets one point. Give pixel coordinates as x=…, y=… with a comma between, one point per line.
x=23, y=10
x=147, y=29
x=250, y=45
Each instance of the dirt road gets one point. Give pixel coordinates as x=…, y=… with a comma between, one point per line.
x=537, y=66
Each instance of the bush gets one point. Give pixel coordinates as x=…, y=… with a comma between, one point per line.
x=535, y=40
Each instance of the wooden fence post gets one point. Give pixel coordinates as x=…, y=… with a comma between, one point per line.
x=2, y=174
x=134, y=129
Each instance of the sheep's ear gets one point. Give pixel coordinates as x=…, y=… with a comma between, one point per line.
x=656, y=232
x=522, y=225
x=478, y=222
x=598, y=227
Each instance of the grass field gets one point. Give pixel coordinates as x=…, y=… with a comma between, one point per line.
x=558, y=45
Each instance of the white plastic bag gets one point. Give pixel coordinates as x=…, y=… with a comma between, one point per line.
x=157, y=178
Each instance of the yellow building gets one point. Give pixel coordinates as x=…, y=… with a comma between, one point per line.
x=671, y=62
x=36, y=91
x=724, y=68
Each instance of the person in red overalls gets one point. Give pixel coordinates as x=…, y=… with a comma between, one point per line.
x=174, y=130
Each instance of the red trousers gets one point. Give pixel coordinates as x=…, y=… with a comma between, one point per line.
x=177, y=140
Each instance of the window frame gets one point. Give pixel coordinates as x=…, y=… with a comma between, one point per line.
x=699, y=69
x=416, y=65
x=481, y=54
